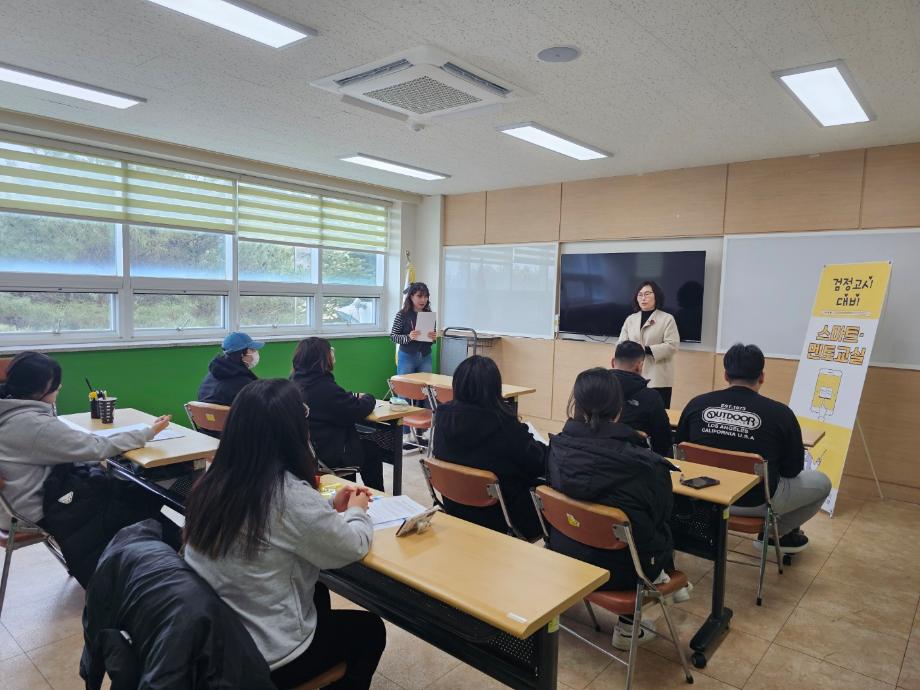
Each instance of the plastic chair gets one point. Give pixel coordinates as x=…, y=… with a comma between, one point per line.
x=467, y=486
x=749, y=463
x=12, y=540
x=603, y=527
x=327, y=677
x=417, y=421
x=207, y=416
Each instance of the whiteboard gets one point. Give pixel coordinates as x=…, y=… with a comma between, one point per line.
x=769, y=284
x=501, y=289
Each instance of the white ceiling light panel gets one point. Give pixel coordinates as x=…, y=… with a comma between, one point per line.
x=65, y=87
x=541, y=136
x=828, y=92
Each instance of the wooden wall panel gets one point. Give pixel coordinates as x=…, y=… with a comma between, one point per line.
x=571, y=358
x=692, y=376
x=817, y=192
x=527, y=362
x=891, y=196
x=673, y=203
x=465, y=218
x=524, y=214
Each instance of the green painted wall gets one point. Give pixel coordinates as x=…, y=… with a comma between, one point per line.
x=160, y=380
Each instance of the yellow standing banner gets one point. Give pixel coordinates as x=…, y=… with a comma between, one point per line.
x=835, y=359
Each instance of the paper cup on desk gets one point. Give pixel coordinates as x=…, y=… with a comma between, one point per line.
x=106, y=410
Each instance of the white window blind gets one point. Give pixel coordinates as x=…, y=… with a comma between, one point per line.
x=163, y=196
x=283, y=215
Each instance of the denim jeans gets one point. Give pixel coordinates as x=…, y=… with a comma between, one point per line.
x=412, y=362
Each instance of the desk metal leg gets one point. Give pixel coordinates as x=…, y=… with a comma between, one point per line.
x=710, y=635
x=546, y=643
x=397, y=443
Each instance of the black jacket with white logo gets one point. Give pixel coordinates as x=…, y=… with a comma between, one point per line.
x=644, y=410
x=741, y=419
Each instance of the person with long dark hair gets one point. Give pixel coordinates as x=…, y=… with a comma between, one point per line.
x=232, y=369
x=656, y=331
x=599, y=460
x=478, y=429
x=258, y=530
x=335, y=412
x=414, y=354
x=34, y=442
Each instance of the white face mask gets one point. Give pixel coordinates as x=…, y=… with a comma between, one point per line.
x=253, y=359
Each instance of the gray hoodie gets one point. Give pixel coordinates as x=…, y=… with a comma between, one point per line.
x=33, y=440
x=273, y=593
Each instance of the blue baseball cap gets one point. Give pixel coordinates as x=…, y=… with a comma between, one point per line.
x=240, y=341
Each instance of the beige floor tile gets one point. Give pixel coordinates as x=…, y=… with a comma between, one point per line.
x=909, y=678
x=466, y=677
x=579, y=662
x=411, y=662
x=872, y=564
x=654, y=673
x=59, y=663
x=41, y=622
x=782, y=669
x=8, y=646
x=862, y=606
x=845, y=644
x=19, y=673
x=732, y=663
x=381, y=682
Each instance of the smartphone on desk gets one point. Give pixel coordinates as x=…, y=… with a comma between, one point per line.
x=699, y=482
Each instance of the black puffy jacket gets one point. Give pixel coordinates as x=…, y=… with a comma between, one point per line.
x=476, y=437
x=151, y=622
x=225, y=379
x=613, y=467
x=644, y=410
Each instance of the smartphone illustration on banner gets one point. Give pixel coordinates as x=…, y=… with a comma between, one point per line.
x=827, y=387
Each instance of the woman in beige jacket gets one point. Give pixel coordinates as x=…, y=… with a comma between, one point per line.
x=656, y=331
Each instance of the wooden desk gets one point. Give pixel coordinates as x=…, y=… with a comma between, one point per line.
x=509, y=392
x=436, y=583
x=709, y=507
x=388, y=417
x=190, y=446
x=810, y=437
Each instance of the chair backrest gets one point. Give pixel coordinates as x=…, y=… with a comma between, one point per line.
x=443, y=394
x=464, y=485
x=207, y=415
x=591, y=524
x=749, y=463
x=4, y=365
x=408, y=390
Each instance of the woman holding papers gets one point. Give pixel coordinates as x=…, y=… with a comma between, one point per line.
x=412, y=332
x=258, y=531
x=656, y=331
x=37, y=452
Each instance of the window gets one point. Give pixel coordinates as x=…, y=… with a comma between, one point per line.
x=94, y=246
x=350, y=311
x=275, y=311
x=165, y=253
x=178, y=312
x=56, y=312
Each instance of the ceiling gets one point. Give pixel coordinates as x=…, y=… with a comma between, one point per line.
x=661, y=83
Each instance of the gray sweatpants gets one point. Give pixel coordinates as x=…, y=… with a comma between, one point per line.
x=795, y=501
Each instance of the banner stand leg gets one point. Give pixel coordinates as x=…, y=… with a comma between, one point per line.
x=862, y=437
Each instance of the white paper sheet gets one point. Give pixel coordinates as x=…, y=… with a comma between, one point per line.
x=425, y=322
x=536, y=434
x=390, y=511
x=164, y=435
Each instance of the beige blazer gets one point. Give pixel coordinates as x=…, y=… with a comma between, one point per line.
x=660, y=334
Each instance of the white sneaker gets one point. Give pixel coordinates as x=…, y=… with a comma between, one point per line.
x=623, y=632
x=683, y=594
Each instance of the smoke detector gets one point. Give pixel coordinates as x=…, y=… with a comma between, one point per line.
x=423, y=84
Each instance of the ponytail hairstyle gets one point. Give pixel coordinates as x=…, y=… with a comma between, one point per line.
x=415, y=289
x=596, y=398
x=31, y=376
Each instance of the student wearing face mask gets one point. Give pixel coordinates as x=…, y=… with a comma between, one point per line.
x=231, y=370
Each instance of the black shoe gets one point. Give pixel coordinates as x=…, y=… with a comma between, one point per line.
x=793, y=542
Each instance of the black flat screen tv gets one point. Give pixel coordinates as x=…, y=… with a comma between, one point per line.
x=597, y=290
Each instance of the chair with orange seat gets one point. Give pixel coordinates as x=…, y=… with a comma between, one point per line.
x=604, y=527
x=207, y=416
x=749, y=463
x=467, y=486
x=326, y=678
x=417, y=421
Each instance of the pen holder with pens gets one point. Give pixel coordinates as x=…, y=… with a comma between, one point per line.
x=106, y=407
x=94, y=396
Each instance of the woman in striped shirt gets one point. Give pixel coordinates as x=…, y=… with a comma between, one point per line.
x=414, y=354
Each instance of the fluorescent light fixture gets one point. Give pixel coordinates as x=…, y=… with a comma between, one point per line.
x=243, y=19
x=391, y=166
x=828, y=92
x=548, y=139
x=65, y=87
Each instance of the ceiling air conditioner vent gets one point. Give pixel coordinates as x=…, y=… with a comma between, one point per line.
x=422, y=85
